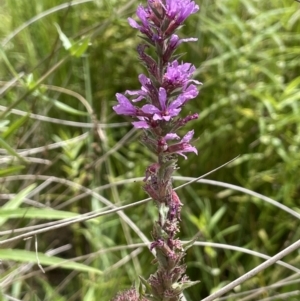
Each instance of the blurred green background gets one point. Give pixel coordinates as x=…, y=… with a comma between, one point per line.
x=61, y=65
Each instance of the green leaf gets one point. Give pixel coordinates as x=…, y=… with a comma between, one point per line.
x=16, y=201
x=67, y=108
x=190, y=243
x=43, y=213
x=30, y=82
x=182, y=286
x=89, y=295
x=145, y=282
x=10, y=150
x=79, y=48
x=3, y=124
x=28, y=256
x=216, y=217
x=9, y=170
x=7, y=62
x=76, y=49
x=14, y=127
x=64, y=39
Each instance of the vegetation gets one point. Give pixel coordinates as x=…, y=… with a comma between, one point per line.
x=65, y=154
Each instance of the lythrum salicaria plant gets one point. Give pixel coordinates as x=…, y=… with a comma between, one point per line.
x=155, y=109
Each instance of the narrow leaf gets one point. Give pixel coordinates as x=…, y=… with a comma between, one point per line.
x=27, y=256
x=64, y=39
x=79, y=48
x=14, y=127
x=10, y=150
x=42, y=213
x=145, y=282
x=16, y=201
x=190, y=243
x=10, y=170
x=68, y=109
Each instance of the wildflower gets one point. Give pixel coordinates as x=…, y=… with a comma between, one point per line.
x=183, y=146
x=179, y=10
x=124, y=107
x=166, y=16
x=166, y=111
x=147, y=91
x=143, y=15
x=178, y=76
x=163, y=94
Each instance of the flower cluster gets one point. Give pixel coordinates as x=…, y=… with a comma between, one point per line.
x=162, y=100
x=155, y=108
x=169, y=85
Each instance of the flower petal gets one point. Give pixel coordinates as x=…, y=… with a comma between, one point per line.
x=188, y=136
x=171, y=136
x=140, y=124
x=150, y=109
x=162, y=96
x=124, y=107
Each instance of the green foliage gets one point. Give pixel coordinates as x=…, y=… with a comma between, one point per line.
x=26, y=256
x=65, y=153
x=16, y=201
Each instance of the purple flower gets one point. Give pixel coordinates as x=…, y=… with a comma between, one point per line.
x=183, y=146
x=179, y=10
x=124, y=107
x=189, y=93
x=147, y=90
x=178, y=75
x=143, y=14
x=166, y=111
x=161, y=18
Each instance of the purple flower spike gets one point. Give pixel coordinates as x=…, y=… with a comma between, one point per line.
x=167, y=111
x=124, y=107
x=163, y=92
x=183, y=146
